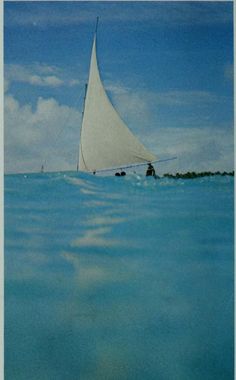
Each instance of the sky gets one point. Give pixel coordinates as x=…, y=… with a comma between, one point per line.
x=167, y=68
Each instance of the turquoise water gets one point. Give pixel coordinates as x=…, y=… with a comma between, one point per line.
x=118, y=278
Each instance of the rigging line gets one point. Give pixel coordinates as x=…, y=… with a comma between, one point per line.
x=134, y=165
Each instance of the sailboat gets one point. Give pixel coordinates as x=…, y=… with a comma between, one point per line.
x=106, y=143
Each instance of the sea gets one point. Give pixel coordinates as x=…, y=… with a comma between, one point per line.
x=118, y=278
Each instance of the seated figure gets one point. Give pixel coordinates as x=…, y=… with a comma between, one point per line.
x=150, y=170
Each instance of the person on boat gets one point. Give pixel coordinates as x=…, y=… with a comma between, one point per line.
x=150, y=170
x=121, y=174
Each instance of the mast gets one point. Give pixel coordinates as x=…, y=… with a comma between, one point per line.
x=96, y=25
x=85, y=91
x=81, y=148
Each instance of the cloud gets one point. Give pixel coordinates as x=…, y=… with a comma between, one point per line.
x=197, y=149
x=167, y=13
x=37, y=75
x=49, y=134
x=134, y=107
x=171, y=98
x=143, y=109
x=73, y=82
x=195, y=138
x=51, y=81
x=185, y=98
x=116, y=88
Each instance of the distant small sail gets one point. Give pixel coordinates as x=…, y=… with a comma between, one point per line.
x=105, y=140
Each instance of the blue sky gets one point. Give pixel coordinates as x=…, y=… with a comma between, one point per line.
x=167, y=67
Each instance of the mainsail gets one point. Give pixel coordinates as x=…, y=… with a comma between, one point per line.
x=105, y=140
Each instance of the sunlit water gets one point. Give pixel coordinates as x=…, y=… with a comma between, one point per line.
x=118, y=278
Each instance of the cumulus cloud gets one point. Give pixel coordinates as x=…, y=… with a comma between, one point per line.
x=51, y=81
x=37, y=75
x=48, y=135
x=199, y=143
x=197, y=149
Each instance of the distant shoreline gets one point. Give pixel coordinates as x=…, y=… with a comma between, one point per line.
x=191, y=175
x=188, y=175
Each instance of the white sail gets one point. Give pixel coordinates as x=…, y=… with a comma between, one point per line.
x=105, y=140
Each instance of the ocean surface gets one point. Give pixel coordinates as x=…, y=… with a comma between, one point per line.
x=118, y=278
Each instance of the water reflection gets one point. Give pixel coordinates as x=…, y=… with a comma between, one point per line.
x=95, y=238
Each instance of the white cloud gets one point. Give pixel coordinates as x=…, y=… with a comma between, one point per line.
x=185, y=98
x=134, y=107
x=197, y=149
x=49, y=134
x=73, y=82
x=142, y=109
x=52, y=81
x=43, y=68
x=126, y=97
x=32, y=79
x=116, y=88
x=200, y=145
x=37, y=75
